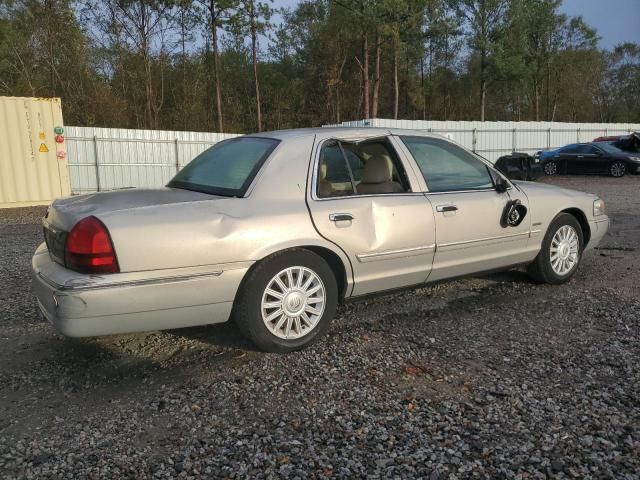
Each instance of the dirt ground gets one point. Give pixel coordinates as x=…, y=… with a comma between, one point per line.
x=485, y=377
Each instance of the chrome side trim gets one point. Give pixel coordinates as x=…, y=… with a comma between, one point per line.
x=535, y=233
x=478, y=240
x=128, y=283
x=403, y=252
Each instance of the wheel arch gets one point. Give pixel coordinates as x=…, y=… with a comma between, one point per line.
x=580, y=216
x=624, y=162
x=337, y=265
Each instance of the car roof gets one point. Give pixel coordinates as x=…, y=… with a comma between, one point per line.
x=342, y=132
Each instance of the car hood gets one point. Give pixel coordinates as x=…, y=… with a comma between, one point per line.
x=66, y=212
x=548, y=153
x=549, y=198
x=536, y=188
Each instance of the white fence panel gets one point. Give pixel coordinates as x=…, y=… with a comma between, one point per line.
x=494, y=139
x=112, y=158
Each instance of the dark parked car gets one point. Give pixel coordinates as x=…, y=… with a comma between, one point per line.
x=519, y=166
x=627, y=143
x=589, y=158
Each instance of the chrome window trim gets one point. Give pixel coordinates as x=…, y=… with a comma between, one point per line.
x=467, y=191
x=376, y=195
x=411, y=163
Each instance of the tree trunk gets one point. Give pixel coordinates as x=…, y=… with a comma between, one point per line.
x=216, y=63
x=50, y=49
x=338, y=104
x=430, y=78
x=483, y=85
x=254, y=55
x=183, y=33
x=376, y=80
x=406, y=87
x=396, y=87
x=424, y=97
x=365, y=76
x=536, y=97
x=548, y=107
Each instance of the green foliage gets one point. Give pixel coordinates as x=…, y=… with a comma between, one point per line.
x=152, y=63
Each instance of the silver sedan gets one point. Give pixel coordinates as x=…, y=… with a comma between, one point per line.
x=273, y=230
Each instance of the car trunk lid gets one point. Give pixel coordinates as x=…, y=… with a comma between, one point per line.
x=64, y=213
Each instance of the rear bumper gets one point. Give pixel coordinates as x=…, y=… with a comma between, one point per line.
x=599, y=227
x=81, y=305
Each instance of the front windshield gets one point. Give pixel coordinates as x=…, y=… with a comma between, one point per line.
x=227, y=168
x=608, y=147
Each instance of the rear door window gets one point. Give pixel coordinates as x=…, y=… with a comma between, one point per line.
x=570, y=150
x=337, y=177
x=587, y=150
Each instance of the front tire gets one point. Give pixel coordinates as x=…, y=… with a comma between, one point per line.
x=551, y=168
x=561, y=251
x=286, y=301
x=617, y=169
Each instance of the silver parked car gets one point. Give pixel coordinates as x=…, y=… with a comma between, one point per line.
x=275, y=229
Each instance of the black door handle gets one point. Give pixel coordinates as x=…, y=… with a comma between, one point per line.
x=446, y=208
x=340, y=217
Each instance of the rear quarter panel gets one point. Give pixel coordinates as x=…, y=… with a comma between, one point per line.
x=272, y=217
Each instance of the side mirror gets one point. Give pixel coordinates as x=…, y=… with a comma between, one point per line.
x=501, y=185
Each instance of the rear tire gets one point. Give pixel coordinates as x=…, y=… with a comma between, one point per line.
x=286, y=301
x=551, y=168
x=561, y=252
x=617, y=169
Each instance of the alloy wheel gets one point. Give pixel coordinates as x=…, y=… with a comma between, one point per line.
x=564, y=250
x=550, y=168
x=617, y=169
x=293, y=302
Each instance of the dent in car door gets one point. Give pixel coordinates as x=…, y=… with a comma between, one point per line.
x=389, y=238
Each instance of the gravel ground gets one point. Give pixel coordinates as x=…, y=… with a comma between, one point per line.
x=490, y=377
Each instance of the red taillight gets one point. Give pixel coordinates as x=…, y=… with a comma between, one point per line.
x=89, y=248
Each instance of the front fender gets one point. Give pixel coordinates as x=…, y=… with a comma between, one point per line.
x=546, y=202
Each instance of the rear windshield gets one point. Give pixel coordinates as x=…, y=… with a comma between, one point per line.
x=227, y=168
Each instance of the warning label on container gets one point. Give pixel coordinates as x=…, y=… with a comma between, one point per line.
x=43, y=148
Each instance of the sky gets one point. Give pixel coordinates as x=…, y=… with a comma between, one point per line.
x=616, y=21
